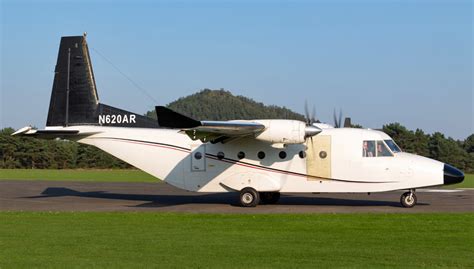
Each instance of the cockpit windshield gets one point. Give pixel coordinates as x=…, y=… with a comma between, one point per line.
x=394, y=147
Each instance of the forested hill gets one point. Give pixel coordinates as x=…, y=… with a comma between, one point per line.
x=223, y=105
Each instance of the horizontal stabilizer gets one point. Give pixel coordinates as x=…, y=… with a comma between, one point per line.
x=51, y=134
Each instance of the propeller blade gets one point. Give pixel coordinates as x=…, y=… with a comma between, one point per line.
x=340, y=118
x=306, y=112
x=336, y=124
x=313, y=115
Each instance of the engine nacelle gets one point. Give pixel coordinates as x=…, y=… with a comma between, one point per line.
x=282, y=131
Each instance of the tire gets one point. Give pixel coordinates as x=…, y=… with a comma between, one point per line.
x=269, y=197
x=249, y=197
x=408, y=202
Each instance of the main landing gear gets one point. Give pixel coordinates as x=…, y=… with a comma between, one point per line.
x=249, y=197
x=269, y=197
x=408, y=199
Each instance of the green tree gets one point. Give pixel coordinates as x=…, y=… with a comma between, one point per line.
x=448, y=151
x=402, y=136
x=469, y=144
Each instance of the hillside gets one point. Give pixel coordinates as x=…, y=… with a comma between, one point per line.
x=223, y=105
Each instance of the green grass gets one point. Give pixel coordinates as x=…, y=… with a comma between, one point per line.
x=77, y=175
x=142, y=240
x=467, y=183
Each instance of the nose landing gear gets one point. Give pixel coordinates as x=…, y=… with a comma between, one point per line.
x=408, y=199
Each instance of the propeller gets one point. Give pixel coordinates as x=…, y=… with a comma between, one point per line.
x=337, y=120
x=310, y=118
x=310, y=129
x=306, y=113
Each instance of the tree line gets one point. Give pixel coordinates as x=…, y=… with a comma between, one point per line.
x=31, y=153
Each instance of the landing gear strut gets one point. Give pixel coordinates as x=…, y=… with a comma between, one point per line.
x=249, y=197
x=269, y=197
x=408, y=199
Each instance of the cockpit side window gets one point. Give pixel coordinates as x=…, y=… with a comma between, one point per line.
x=394, y=147
x=368, y=148
x=382, y=150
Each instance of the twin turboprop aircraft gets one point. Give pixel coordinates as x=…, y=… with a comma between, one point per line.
x=258, y=158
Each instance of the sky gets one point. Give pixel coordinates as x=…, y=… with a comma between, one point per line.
x=378, y=61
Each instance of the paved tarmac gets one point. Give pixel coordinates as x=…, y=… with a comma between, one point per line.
x=160, y=197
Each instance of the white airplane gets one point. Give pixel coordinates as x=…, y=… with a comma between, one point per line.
x=258, y=158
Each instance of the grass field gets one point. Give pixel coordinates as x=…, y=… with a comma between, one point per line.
x=77, y=175
x=142, y=240
x=467, y=183
x=118, y=176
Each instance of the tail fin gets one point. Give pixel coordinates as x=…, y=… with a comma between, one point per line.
x=73, y=73
x=74, y=99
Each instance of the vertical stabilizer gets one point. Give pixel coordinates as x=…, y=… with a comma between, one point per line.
x=74, y=99
x=74, y=72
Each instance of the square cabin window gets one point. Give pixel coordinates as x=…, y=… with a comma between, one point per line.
x=382, y=150
x=368, y=148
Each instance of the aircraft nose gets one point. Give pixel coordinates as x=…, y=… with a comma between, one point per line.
x=452, y=175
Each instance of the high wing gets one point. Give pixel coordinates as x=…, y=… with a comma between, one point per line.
x=213, y=131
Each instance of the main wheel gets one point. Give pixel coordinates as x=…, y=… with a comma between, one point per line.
x=269, y=197
x=408, y=199
x=249, y=197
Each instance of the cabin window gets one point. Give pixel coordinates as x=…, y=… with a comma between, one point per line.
x=261, y=155
x=198, y=155
x=378, y=148
x=382, y=150
x=282, y=155
x=241, y=155
x=368, y=148
x=394, y=147
x=220, y=155
x=302, y=154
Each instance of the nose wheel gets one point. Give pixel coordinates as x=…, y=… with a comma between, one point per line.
x=408, y=199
